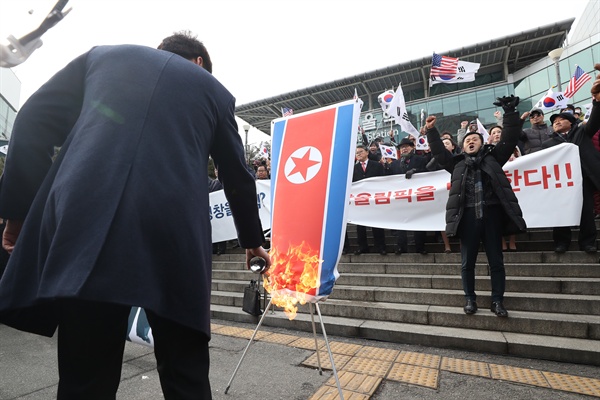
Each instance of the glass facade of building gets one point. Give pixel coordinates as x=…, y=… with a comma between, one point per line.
x=452, y=103
x=10, y=89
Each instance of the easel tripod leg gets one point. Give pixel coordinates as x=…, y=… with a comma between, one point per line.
x=312, y=317
x=247, y=346
x=337, y=380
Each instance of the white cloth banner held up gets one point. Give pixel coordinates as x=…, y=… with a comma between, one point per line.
x=547, y=183
x=220, y=215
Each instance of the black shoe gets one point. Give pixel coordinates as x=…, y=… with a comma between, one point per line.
x=344, y=252
x=591, y=249
x=383, y=252
x=498, y=309
x=360, y=251
x=470, y=307
x=561, y=248
x=400, y=251
x=423, y=252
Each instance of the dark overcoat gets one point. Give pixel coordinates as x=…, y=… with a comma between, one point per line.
x=493, y=158
x=374, y=168
x=581, y=135
x=121, y=216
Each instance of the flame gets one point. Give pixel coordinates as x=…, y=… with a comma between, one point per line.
x=293, y=277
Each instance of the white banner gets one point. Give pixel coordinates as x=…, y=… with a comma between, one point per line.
x=547, y=183
x=221, y=219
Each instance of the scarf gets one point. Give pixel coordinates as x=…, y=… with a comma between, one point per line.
x=473, y=169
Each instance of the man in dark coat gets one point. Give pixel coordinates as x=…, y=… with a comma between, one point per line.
x=538, y=133
x=482, y=206
x=567, y=129
x=366, y=168
x=120, y=218
x=408, y=164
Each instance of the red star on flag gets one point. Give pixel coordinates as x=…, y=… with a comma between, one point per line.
x=302, y=164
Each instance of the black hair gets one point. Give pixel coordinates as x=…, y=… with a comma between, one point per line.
x=185, y=44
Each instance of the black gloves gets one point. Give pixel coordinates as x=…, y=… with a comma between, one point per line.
x=508, y=104
x=410, y=173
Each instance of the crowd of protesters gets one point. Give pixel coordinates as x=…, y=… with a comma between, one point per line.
x=566, y=126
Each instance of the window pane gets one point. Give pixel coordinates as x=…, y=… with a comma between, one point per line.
x=450, y=105
x=435, y=107
x=540, y=82
x=467, y=102
x=485, y=98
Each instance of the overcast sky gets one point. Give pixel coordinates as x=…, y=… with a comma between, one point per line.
x=262, y=48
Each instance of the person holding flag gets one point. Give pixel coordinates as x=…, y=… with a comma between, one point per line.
x=568, y=130
x=408, y=164
x=482, y=206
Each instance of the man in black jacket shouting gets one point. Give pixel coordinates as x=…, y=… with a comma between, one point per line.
x=482, y=206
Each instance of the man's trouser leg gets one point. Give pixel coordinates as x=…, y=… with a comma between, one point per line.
x=469, y=231
x=91, y=340
x=182, y=359
x=492, y=243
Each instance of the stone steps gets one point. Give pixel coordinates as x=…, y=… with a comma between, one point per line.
x=556, y=348
x=559, y=285
x=530, y=322
x=553, y=302
x=527, y=301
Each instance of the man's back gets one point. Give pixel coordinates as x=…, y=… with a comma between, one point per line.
x=122, y=215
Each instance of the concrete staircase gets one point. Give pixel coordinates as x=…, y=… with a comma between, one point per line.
x=553, y=300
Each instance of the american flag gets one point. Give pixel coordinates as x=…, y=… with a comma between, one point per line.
x=286, y=112
x=578, y=79
x=442, y=65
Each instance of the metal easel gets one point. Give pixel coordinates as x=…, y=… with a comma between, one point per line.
x=312, y=317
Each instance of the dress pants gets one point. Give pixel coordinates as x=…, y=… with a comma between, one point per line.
x=91, y=340
x=378, y=236
x=587, y=226
x=419, y=241
x=489, y=231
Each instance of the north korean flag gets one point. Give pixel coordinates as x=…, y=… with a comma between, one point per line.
x=312, y=156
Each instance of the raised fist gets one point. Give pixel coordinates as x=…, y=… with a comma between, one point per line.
x=430, y=122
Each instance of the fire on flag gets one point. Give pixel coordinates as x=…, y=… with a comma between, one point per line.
x=312, y=155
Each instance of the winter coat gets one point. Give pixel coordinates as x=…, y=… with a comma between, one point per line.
x=493, y=158
x=121, y=216
x=534, y=137
x=581, y=135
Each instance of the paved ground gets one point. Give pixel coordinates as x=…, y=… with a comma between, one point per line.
x=281, y=364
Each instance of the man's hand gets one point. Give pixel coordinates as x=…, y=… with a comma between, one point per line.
x=410, y=173
x=523, y=116
x=251, y=253
x=430, y=122
x=11, y=234
x=463, y=124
